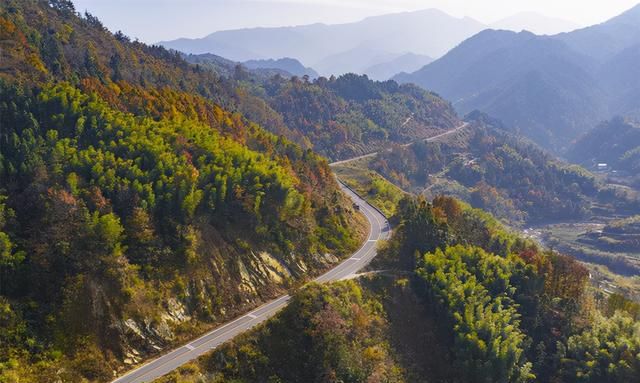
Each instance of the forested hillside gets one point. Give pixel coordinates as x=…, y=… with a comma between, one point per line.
x=461, y=300
x=552, y=89
x=341, y=328
x=352, y=115
x=516, y=312
x=616, y=143
x=146, y=197
x=135, y=208
x=494, y=170
x=337, y=117
x=603, y=40
x=534, y=83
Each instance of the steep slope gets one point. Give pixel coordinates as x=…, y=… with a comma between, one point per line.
x=487, y=305
x=499, y=172
x=607, y=39
x=616, y=142
x=620, y=76
x=134, y=209
x=389, y=34
x=551, y=88
x=364, y=330
x=352, y=115
x=534, y=84
x=338, y=117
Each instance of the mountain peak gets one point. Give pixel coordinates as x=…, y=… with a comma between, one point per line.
x=317, y=44
x=630, y=16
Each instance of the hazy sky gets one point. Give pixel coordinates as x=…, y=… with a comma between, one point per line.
x=155, y=20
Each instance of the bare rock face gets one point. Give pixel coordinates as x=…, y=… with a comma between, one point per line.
x=176, y=312
x=227, y=283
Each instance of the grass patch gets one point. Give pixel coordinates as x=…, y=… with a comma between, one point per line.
x=370, y=185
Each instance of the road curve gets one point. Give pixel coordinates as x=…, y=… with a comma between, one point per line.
x=379, y=230
x=430, y=139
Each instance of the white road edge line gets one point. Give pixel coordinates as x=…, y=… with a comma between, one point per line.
x=372, y=216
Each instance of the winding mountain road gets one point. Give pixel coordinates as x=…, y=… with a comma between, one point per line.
x=379, y=230
x=430, y=139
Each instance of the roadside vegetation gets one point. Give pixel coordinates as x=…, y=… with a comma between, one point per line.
x=370, y=185
x=136, y=210
x=502, y=309
x=145, y=199
x=493, y=170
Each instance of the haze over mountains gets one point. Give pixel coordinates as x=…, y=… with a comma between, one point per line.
x=536, y=23
x=394, y=33
x=367, y=47
x=152, y=200
x=407, y=62
x=551, y=88
x=602, y=41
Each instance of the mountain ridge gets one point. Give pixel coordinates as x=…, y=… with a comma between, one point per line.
x=552, y=88
x=138, y=206
x=391, y=37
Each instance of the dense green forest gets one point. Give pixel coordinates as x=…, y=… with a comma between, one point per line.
x=522, y=312
x=136, y=207
x=499, y=309
x=497, y=171
x=328, y=333
x=353, y=115
x=516, y=311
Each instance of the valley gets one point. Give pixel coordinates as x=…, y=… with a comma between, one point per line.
x=220, y=209
x=379, y=230
x=384, y=178
x=342, y=318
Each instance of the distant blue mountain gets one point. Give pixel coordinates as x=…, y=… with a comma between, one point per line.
x=551, y=88
x=427, y=32
x=407, y=62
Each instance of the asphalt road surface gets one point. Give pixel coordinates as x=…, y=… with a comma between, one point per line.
x=158, y=367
